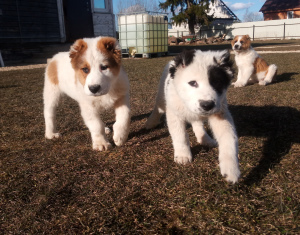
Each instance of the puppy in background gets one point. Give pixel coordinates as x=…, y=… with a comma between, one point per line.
x=92, y=74
x=250, y=65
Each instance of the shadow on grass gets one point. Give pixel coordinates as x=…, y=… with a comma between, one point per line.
x=279, y=125
x=285, y=77
x=143, y=131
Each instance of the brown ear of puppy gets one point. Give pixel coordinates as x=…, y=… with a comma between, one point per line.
x=233, y=40
x=248, y=37
x=77, y=48
x=110, y=48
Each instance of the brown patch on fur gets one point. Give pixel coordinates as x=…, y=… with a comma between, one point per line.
x=52, y=72
x=260, y=65
x=219, y=115
x=113, y=55
x=78, y=61
x=234, y=40
x=80, y=74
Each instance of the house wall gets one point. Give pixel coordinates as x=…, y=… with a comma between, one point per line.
x=29, y=21
x=104, y=24
x=279, y=15
x=104, y=21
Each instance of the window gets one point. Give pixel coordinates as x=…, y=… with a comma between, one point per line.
x=290, y=15
x=100, y=6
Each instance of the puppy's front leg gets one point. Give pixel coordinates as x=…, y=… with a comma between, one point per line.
x=180, y=139
x=97, y=128
x=201, y=135
x=224, y=131
x=122, y=124
x=243, y=76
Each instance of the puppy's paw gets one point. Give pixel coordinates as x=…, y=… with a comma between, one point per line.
x=52, y=135
x=238, y=84
x=119, y=140
x=107, y=130
x=152, y=122
x=262, y=83
x=208, y=141
x=183, y=159
x=102, y=146
x=230, y=171
x=120, y=134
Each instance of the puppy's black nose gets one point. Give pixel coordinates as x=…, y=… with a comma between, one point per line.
x=94, y=88
x=207, y=104
x=236, y=46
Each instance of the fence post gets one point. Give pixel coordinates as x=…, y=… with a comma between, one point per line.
x=253, y=31
x=283, y=30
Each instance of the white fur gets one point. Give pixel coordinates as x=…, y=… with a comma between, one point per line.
x=244, y=59
x=114, y=88
x=181, y=101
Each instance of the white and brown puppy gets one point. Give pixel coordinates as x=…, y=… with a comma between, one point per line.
x=250, y=65
x=192, y=89
x=91, y=73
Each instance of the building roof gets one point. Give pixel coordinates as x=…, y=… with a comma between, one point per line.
x=280, y=5
x=221, y=11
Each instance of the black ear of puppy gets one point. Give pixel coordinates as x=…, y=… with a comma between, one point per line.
x=224, y=60
x=183, y=59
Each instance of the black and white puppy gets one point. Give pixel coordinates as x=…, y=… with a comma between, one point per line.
x=192, y=89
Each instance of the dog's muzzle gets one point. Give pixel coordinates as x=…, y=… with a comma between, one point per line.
x=207, y=105
x=95, y=88
x=236, y=47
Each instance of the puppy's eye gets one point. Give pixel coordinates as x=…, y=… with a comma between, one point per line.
x=193, y=83
x=241, y=42
x=103, y=67
x=85, y=70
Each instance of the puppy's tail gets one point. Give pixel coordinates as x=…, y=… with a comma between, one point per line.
x=272, y=70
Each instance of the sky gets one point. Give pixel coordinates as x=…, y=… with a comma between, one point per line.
x=238, y=7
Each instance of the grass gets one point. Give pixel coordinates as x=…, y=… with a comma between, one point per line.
x=64, y=187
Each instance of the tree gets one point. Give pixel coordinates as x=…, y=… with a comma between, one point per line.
x=192, y=12
x=134, y=6
x=252, y=16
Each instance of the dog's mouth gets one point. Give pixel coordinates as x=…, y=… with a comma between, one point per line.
x=98, y=94
x=204, y=113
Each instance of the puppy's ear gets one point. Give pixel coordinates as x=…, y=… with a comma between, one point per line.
x=248, y=37
x=184, y=59
x=111, y=49
x=233, y=40
x=223, y=59
x=78, y=48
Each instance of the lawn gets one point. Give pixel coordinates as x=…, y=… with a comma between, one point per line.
x=64, y=187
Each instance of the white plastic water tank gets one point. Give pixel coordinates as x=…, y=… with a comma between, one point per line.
x=147, y=33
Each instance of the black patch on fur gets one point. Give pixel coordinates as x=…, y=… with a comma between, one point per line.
x=221, y=74
x=184, y=58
